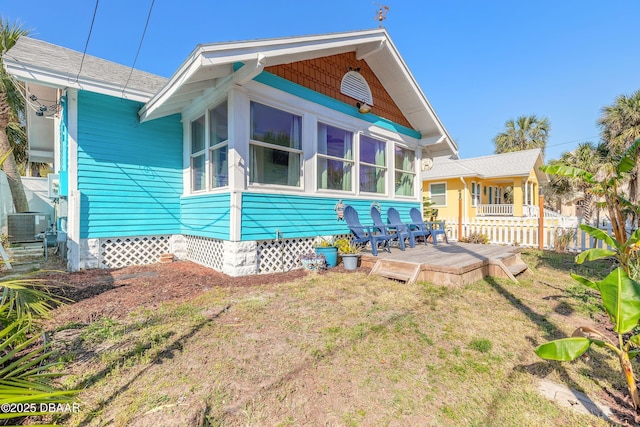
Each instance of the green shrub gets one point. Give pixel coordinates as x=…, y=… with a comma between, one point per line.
x=26, y=373
x=476, y=237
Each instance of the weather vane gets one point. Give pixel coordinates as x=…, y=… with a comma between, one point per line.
x=381, y=14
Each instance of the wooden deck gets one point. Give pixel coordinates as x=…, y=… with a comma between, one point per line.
x=447, y=263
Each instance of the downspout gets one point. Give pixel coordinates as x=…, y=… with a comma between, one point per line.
x=464, y=198
x=464, y=208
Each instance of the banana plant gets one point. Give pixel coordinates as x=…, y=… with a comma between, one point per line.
x=621, y=300
x=620, y=291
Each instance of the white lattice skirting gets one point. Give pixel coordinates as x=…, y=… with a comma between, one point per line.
x=283, y=255
x=205, y=251
x=125, y=251
x=234, y=258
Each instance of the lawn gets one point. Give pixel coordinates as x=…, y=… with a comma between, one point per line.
x=344, y=349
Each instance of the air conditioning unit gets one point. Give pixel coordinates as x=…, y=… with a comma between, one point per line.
x=23, y=227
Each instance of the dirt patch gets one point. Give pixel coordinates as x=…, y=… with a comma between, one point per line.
x=116, y=293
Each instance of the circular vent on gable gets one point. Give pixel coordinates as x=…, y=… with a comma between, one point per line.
x=355, y=86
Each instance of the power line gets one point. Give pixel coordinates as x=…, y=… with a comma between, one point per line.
x=86, y=45
x=574, y=141
x=139, y=46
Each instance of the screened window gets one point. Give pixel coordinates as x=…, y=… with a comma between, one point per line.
x=275, y=146
x=438, y=194
x=218, y=146
x=335, y=158
x=405, y=170
x=198, y=166
x=373, y=165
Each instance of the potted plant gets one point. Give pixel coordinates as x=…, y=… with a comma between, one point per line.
x=313, y=261
x=349, y=253
x=325, y=246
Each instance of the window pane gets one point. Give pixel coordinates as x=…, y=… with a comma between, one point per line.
x=270, y=166
x=404, y=184
x=334, y=142
x=404, y=159
x=275, y=126
x=438, y=194
x=372, y=151
x=198, y=178
x=334, y=174
x=371, y=179
x=219, y=167
x=197, y=135
x=218, y=124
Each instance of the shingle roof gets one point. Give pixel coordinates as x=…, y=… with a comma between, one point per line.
x=29, y=55
x=517, y=163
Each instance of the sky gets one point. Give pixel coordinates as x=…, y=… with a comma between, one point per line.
x=479, y=63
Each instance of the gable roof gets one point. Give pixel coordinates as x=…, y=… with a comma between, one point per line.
x=517, y=163
x=51, y=65
x=218, y=61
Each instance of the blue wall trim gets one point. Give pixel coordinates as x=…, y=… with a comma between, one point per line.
x=300, y=216
x=129, y=173
x=313, y=96
x=207, y=215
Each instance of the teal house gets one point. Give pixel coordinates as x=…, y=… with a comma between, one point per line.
x=239, y=160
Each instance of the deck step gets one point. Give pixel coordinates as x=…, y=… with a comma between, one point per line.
x=397, y=270
x=516, y=269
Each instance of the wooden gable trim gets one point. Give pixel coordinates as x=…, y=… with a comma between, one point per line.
x=324, y=75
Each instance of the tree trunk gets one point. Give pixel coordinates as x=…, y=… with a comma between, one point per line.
x=625, y=364
x=9, y=165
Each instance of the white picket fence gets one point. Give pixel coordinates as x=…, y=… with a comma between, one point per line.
x=525, y=231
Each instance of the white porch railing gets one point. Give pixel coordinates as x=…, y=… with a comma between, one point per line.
x=523, y=231
x=529, y=211
x=494, y=210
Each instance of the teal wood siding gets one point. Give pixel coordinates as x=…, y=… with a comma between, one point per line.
x=129, y=174
x=207, y=215
x=300, y=216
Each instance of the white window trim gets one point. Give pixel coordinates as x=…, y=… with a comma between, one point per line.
x=446, y=201
x=388, y=143
x=209, y=149
x=193, y=155
x=318, y=156
x=413, y=172
x=300, y=151
x=478, y=190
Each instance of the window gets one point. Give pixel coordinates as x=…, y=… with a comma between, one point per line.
x=218, y=146
x=405, y=168
x=275, y=146
x=475, y=194
x=335, y=158
x=198, y=169
x=497, y=195
x=438, y=194
x=372, y=165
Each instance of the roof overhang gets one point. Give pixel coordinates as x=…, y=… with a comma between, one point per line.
x=54, y=78
x=209, y=65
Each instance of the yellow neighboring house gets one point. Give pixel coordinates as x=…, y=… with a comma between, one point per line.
x=479, y=185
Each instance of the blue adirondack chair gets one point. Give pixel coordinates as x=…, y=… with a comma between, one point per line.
x=401, y=230
x=415, y=230
x=364, y=234
x=436, y=228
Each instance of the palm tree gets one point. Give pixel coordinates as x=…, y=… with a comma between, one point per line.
x=12, y=107
x=620, y=125
x=524, y=133
x=585, y=157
